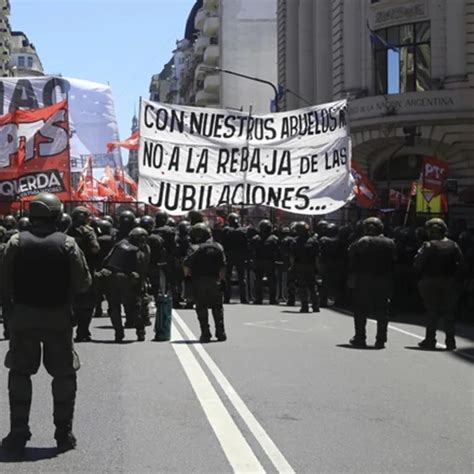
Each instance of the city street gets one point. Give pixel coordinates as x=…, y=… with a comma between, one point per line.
x=285, y=393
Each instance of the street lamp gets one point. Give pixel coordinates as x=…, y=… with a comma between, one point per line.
x=250, y=78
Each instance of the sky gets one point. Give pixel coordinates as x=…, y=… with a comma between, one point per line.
x=120, y=42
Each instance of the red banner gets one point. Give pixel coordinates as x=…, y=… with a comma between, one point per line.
x=434, y=174
x=131, y=143
x=34, y=153
x=364, y=189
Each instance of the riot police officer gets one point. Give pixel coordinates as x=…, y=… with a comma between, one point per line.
x=106, y=242
x=332, y=265
x=303, y=254
x=124, y=271
x=372, y=260
x=438, y=260
x=234, y=241
x=265, y=254
x=64, y=223
x=206, y=266
x=11, y=225
x=41, y=320
x=168, y=235
x=86, y=238
x=183, y=247
x=126, y=223
x=156, y=266
x=24, y=224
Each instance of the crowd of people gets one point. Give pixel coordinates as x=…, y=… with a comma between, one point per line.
x=56, y=270
x=317, y=267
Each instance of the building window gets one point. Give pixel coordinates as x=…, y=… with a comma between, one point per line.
x=402, y=59
x=30, y=61
x=21, y=61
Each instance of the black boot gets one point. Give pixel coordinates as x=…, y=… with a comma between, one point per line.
x=15, y=442
x=304, y=308
x=65, y=439
x=357, y=342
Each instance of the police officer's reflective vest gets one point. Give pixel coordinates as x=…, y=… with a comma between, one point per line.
x=42, y=272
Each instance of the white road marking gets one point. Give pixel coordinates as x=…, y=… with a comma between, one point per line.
x=272, y=451
x=266, y=326
x=441, y=346
x=237, y=450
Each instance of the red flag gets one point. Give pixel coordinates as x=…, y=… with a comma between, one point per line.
x=34, y=155
x=364, y=188
x=131, y=143
x=434, y=174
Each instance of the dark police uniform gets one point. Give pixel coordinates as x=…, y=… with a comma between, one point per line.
x=86, y=238
x=168, y=235
x=206, y=263
x=125, y=270
x=234, y=241
x=42, y=271
x=333, y=266
x=304, y=252
x=438, y=262
x=265, y=251
x=372, y=259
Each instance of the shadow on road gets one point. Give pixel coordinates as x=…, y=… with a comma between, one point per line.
x=462, y=329
x=104, y=327
x=466, y=354
x=110, y=341
x=416, y=348
x=187, y=343
x=350, y=346
x=31, y=455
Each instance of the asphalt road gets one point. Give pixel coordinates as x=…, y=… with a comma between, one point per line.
x=284, y=393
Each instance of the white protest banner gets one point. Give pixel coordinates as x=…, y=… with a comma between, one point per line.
x=196, y=158
x=91, y=112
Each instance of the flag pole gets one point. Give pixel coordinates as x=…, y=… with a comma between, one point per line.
x=69, y=147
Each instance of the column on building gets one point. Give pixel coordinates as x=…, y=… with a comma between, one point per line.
x=322, y=51
x=305, y=46
x=455, y=43
x=292, y=57
x=352, y=46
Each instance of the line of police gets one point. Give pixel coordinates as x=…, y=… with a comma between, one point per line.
x=52, y=257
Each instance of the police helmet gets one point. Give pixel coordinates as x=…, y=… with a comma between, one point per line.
x=109, y=219
x=265, y=226
x=436, y=227
x=45, y=206
x=321, y=227
x=147, y=222
x=301, y=229
x=332, y=230
x=126, y=219
x=373, y=226
x=161, y=218
x=80, y=215
x=171, y=222
x=233, y=219
x=183, y=228
x=105, y=227
x=195, y=217
x=9, y=222
x=24, y=224
x=138, y=236
x=200, y=233
x=64, y=222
